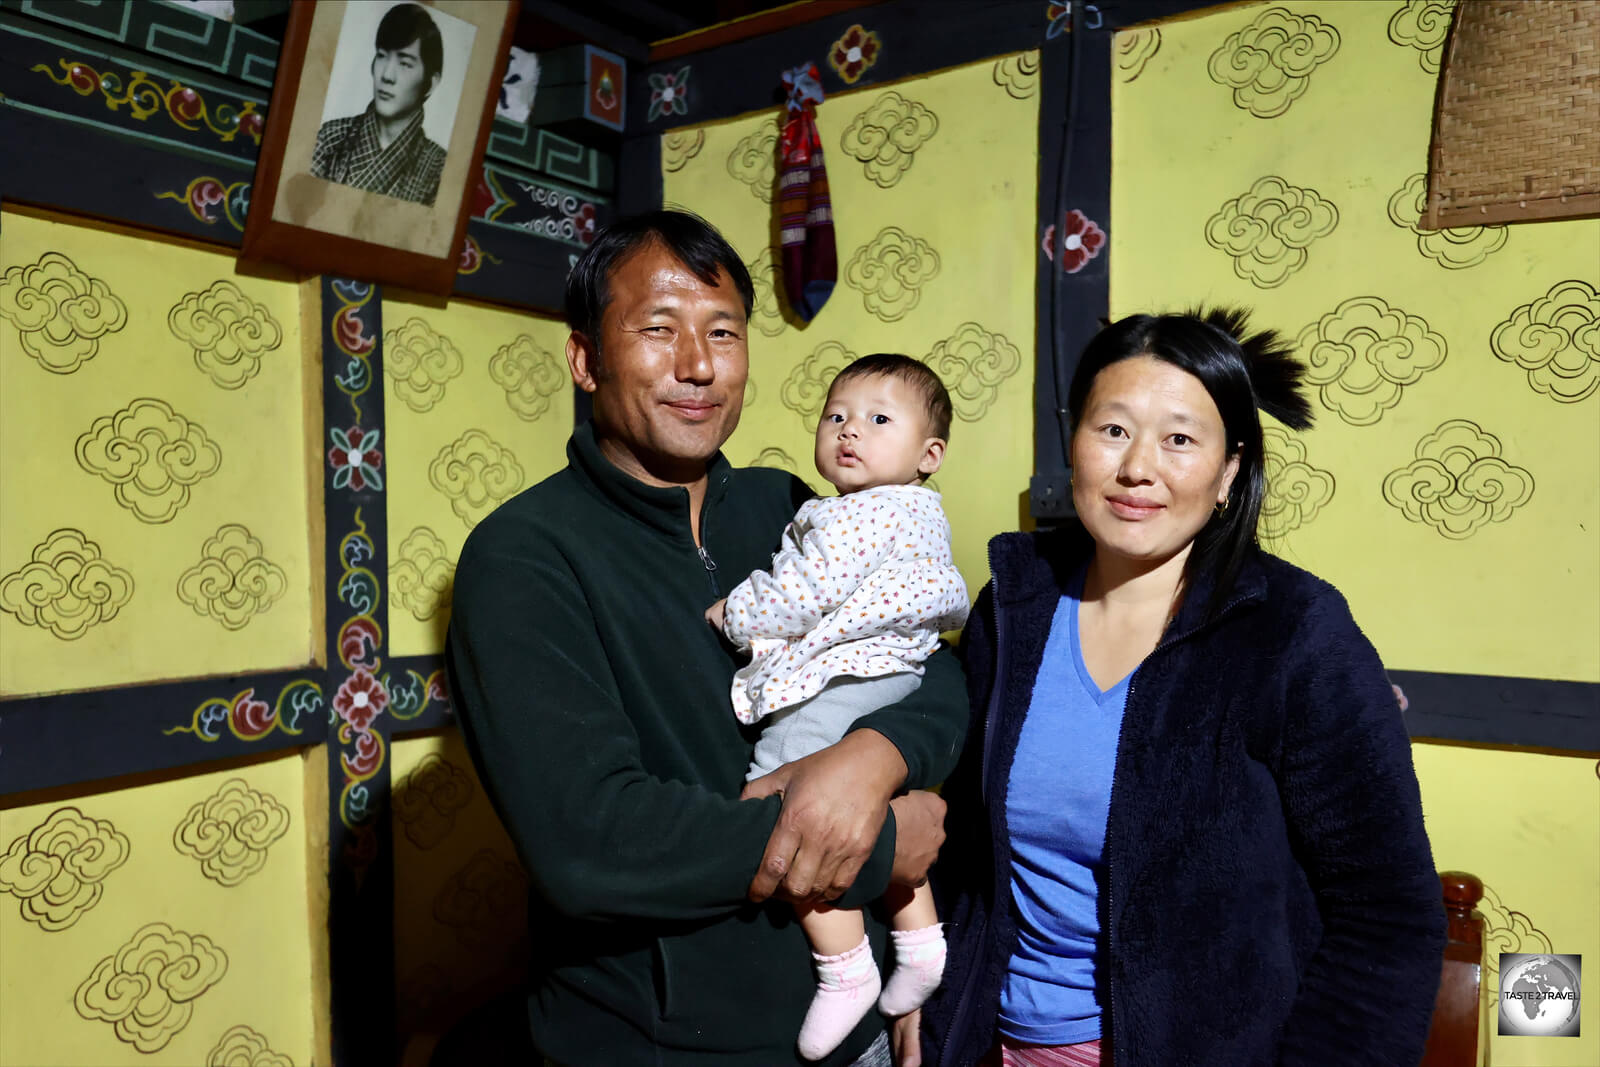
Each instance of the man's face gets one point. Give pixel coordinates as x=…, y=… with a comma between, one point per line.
x=399, y=81
x=672, y=366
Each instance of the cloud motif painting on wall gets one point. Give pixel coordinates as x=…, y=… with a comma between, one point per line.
x=680, y=146
x=890, y=270
x=973, y=363
x=1507, y=930
x=885, y=137
x=243, y=1047
x=58, y=868
x=529, y=374
x=754, y=161
x=1458, y=481
x=1134, y=49
x=1455, y=247
x=1296, y=489
x=1018, y=74
x=147, y=988
x=773, y=456
x=480, y=900
x=151, y=455
x=427, y=799
x=421, y=573
x=1423, y=25
x=420, y=361
x=1556, y=339
x=228, y=331
x=1268, y=64
x=806, y=387
x=475, y=473
x=234, y=581
x=1363, y=354
x=766, y=315
x=1268, y=229
x=60, y=311
x=230, y=831
x=66, y=587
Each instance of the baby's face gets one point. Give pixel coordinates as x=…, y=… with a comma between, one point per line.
x=874, y=431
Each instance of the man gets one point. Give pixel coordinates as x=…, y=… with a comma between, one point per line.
x=383, y=149
x=596, y=699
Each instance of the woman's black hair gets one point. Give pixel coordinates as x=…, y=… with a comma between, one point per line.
x=405, y=23
x=692, y=240
x=1245, y=373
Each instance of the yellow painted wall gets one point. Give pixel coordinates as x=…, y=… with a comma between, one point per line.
x=935, y=261
x=155, y=513
x=478, y=404
x=1269, y=155
x=166, y=924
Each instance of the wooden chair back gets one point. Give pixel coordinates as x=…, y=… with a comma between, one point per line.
x=1457, y=1036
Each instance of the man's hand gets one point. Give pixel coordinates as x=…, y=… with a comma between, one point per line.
x=834, y=804
x=714, y=614
x=918, y=836
x=905, y=1040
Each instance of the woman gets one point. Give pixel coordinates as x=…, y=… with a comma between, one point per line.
x=1185, y=829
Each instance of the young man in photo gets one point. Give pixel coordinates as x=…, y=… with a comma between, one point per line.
x=383, y=149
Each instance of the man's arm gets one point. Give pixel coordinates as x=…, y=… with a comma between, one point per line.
x=848, y=786
x=602, y=838
x=929, y=726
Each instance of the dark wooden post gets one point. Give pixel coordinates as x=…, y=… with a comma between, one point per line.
x=1454, y=1040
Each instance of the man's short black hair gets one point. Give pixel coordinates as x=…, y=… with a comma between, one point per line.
x=915, y=373
x=691, y=239
x=404, y=24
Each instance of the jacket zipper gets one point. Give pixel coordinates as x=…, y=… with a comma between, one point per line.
x=711, y=569
x=958, y=1020
x=1106, y=850
x=700, y=548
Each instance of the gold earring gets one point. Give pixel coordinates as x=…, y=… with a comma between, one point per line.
x=1221, y=507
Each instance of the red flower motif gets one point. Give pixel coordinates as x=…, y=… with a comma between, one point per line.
x=360, y=700
x=251, y=718
x=853, y=53
x=358, y=643
x=204, y=194
x=353, y=465
x=368, y=755
x=1082, y=241
x=184, y=104
x=351, y=332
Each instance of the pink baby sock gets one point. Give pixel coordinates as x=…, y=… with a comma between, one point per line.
x=847, y=985
x=918, y=966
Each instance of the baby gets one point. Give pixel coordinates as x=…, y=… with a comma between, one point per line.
x=854, y=603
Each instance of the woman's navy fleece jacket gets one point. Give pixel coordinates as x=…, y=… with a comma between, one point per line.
x=1268, y=895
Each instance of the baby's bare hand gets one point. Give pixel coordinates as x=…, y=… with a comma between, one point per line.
x=714, y=614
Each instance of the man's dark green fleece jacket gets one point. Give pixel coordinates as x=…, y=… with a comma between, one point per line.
x=595, y=700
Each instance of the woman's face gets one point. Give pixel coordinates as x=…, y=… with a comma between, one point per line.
x=1150, y=460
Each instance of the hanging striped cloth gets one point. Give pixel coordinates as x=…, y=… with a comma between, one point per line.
x=805, y=212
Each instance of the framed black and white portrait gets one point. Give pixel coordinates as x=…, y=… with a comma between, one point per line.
x=378, y=121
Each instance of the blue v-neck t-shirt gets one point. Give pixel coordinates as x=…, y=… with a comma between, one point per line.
x=1056, y=807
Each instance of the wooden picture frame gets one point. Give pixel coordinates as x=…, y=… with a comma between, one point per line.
x=342, y=186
